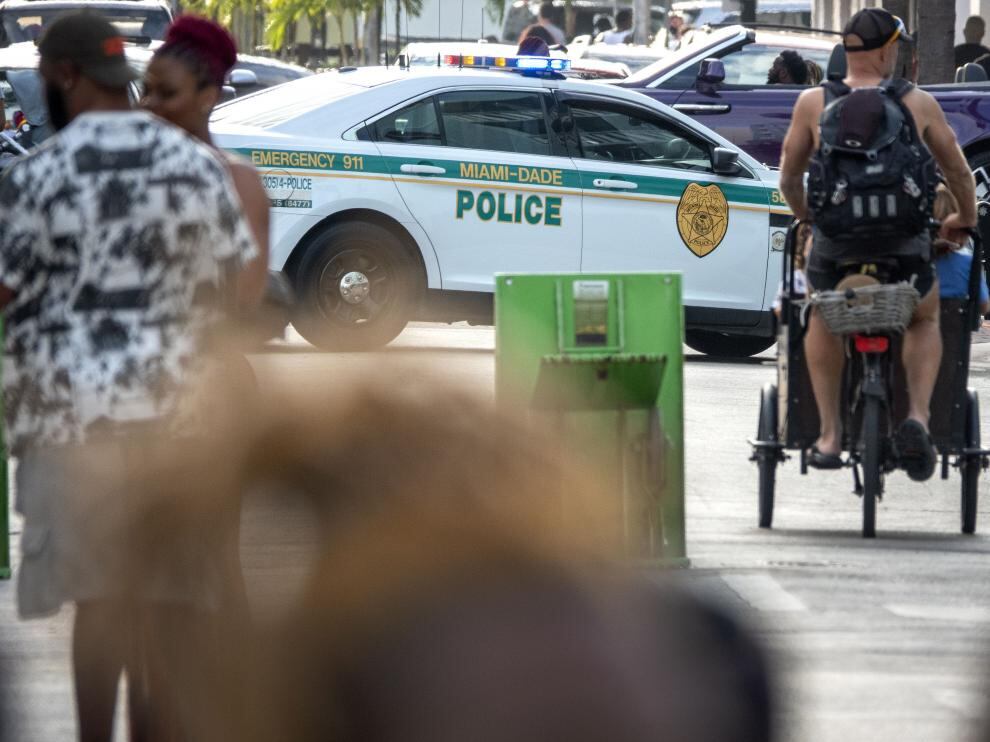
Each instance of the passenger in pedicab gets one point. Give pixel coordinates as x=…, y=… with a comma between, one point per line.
x=954, y=261
x=799, y=288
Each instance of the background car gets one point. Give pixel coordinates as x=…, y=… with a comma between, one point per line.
x=23, y=90
x=397, y=194
x=267, y=73
x=137, y=20
x=633, y=57
x=744, y=109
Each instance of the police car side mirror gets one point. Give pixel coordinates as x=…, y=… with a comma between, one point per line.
x=725, y=161
x=711, y=72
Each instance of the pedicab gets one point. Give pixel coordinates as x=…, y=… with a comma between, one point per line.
x=872, y=316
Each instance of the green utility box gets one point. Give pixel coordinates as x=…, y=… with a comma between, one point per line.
x=602, y=356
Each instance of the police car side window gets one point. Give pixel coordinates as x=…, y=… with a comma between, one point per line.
x=619, y=134
x=414, y=124
x=500, y=120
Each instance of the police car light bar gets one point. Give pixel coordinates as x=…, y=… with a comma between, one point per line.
x=523, y=64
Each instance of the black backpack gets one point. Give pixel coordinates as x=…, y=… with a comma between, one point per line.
x=872, y=177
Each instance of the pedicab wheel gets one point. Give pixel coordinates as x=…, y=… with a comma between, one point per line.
x=872, y=477
x=970, y=464
x=766, y=458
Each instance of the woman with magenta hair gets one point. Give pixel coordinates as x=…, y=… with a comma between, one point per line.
x=182, y=85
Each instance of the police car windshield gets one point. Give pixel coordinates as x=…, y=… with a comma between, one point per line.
x=276, y=105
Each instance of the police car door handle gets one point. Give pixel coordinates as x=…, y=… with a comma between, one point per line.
x=422, y=170
x=701, y=108
x=619, y=185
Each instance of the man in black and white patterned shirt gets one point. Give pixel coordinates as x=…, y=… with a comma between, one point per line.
x=120, y=243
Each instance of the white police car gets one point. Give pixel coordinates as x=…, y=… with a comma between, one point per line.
x=398, y=195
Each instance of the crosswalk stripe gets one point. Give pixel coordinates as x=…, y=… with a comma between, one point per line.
x=764, y=593
x=955, y=614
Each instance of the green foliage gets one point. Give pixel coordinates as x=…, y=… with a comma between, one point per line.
x=495, y=9
x=223, y=10
x=283, y=13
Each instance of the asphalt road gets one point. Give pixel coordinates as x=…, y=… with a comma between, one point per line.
x=884, y=640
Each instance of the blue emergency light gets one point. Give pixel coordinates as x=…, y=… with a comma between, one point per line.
x=520, y=64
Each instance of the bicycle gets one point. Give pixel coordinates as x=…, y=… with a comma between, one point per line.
x=871, y=314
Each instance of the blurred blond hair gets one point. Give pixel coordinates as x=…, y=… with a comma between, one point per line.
x=414, y=486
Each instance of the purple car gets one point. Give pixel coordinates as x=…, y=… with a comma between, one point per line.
x=744, y=109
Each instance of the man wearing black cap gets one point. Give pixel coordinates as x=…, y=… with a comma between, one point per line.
x=870, y=39
x=119, y=243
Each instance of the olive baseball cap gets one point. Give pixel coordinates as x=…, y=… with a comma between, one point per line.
x=91, y=43
x=875, y=28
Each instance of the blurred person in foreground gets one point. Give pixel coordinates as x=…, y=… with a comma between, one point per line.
x=467, y=590
x=121, y=247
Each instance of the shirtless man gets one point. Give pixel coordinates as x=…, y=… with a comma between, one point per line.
x=870, y=41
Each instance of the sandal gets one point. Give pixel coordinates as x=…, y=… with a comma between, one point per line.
x=819, y=460
x=916, y=451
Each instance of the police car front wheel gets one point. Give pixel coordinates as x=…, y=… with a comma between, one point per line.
x=727, y=346
x=356, y=285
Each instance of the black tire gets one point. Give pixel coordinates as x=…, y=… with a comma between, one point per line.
x=971, y=465
x=979, y=164
x=766, y=459
x=872, y=474
x=727, y=346
x=324, y=317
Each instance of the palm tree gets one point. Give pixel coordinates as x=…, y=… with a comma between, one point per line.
x=226, y=11
x=413, y=9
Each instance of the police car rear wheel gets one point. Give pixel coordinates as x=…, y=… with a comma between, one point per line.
x=727, y=346
x=356, y=285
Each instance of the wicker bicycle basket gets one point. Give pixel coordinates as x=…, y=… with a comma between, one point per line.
x=881, y=308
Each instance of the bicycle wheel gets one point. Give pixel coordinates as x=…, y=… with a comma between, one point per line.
x=872, y=476
x=766, y=458
x=970, y=465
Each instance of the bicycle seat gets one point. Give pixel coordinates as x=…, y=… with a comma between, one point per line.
x=879, y=269
x=856, y=281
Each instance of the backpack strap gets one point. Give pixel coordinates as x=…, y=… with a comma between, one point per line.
x=898, y=88
x=834, y=89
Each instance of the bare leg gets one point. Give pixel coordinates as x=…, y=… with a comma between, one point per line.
x=98, y=655
x=922, y=356
x=824, y=354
